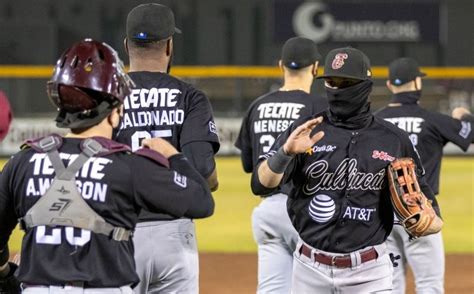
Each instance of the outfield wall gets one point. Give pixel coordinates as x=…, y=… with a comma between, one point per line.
x=26, y=128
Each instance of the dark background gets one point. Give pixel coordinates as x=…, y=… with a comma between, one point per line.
x=226, y=32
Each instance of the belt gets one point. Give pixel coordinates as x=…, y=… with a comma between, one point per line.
x=338, y=260
x=71, y=284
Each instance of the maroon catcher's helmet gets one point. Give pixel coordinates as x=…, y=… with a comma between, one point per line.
x=88, y=82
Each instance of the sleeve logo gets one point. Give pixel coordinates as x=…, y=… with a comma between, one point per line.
x=465, y=130
x=180, y=180
x=212, y=127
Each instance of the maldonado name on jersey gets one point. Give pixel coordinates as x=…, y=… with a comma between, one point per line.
x=141, y=99
x=276, y=117
x=346, y=176
x=88, y=177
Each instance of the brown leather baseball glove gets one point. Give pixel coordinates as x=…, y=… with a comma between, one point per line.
x=411, y=206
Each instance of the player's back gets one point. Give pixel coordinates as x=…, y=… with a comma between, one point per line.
x=163, y=106
x=116, y=185
x=64, y=254
x=271, y=114
x=429, y=132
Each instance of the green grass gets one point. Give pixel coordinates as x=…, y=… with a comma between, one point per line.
x=229, y=229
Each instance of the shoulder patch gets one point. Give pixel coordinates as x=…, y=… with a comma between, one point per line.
x=153, y=155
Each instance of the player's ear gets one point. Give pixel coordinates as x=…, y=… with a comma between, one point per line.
x=418, y=83
x=125, y=44
x=280, y=65
x=315, y=69
x=115, y=116
x=169, y=47
x=389, y=85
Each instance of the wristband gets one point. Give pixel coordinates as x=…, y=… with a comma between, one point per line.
x=279, y=161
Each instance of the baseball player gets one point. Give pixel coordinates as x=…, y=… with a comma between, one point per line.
x=267, y=117
x=164, y=106
x=428, y=131
x=78, y=197
x=339, y=202
x=5, y=116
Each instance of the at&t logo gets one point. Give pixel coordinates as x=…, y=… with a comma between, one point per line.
x=322, y=208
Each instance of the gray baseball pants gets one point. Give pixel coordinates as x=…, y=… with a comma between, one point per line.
x=374, y=276
x=166, y=257
x=424, y=255
x=276, y=239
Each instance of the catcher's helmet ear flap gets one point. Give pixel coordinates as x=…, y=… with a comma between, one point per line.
x=87, y=75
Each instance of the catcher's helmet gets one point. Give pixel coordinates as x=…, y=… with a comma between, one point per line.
x=88, y=82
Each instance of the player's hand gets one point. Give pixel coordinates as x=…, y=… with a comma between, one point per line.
x=459, y=112
x=160, y=145
x=300, y=141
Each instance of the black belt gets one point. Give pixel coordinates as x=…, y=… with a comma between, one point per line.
x=342, y=261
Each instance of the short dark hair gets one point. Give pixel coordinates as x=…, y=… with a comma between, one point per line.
x=152, y=45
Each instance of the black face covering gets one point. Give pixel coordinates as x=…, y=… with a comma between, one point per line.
x=406, y=97
x=347, y=102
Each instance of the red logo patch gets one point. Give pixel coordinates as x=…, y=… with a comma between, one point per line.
x=382, y=156
x=338, y=61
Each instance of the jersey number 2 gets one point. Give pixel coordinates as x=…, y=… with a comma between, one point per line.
x=266, y=141
x=55, y=237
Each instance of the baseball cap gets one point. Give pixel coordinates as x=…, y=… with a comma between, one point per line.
x=150, y=22
x=403, y=70
x=5, y=115
x=347, y=63
x=299, y=52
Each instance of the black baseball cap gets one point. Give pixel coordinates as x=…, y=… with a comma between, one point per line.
x=347, y=63
x=403, y=70
x=150, y=22
x=299, y=52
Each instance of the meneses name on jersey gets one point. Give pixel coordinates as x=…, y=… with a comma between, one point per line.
x=276, y=117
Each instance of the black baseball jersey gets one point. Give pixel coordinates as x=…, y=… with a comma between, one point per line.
x=268, y=116
x=116, y=186
x=164, y=106
x=340, y=200
x=429, y=131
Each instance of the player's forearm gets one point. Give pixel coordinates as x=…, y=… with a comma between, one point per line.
x=202, y=203
x=267, y=177
x=264, y=180
x=269, y=173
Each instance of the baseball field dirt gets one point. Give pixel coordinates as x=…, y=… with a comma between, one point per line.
x=236, y=273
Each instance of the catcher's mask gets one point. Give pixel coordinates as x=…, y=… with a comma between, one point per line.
x=88, y=82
